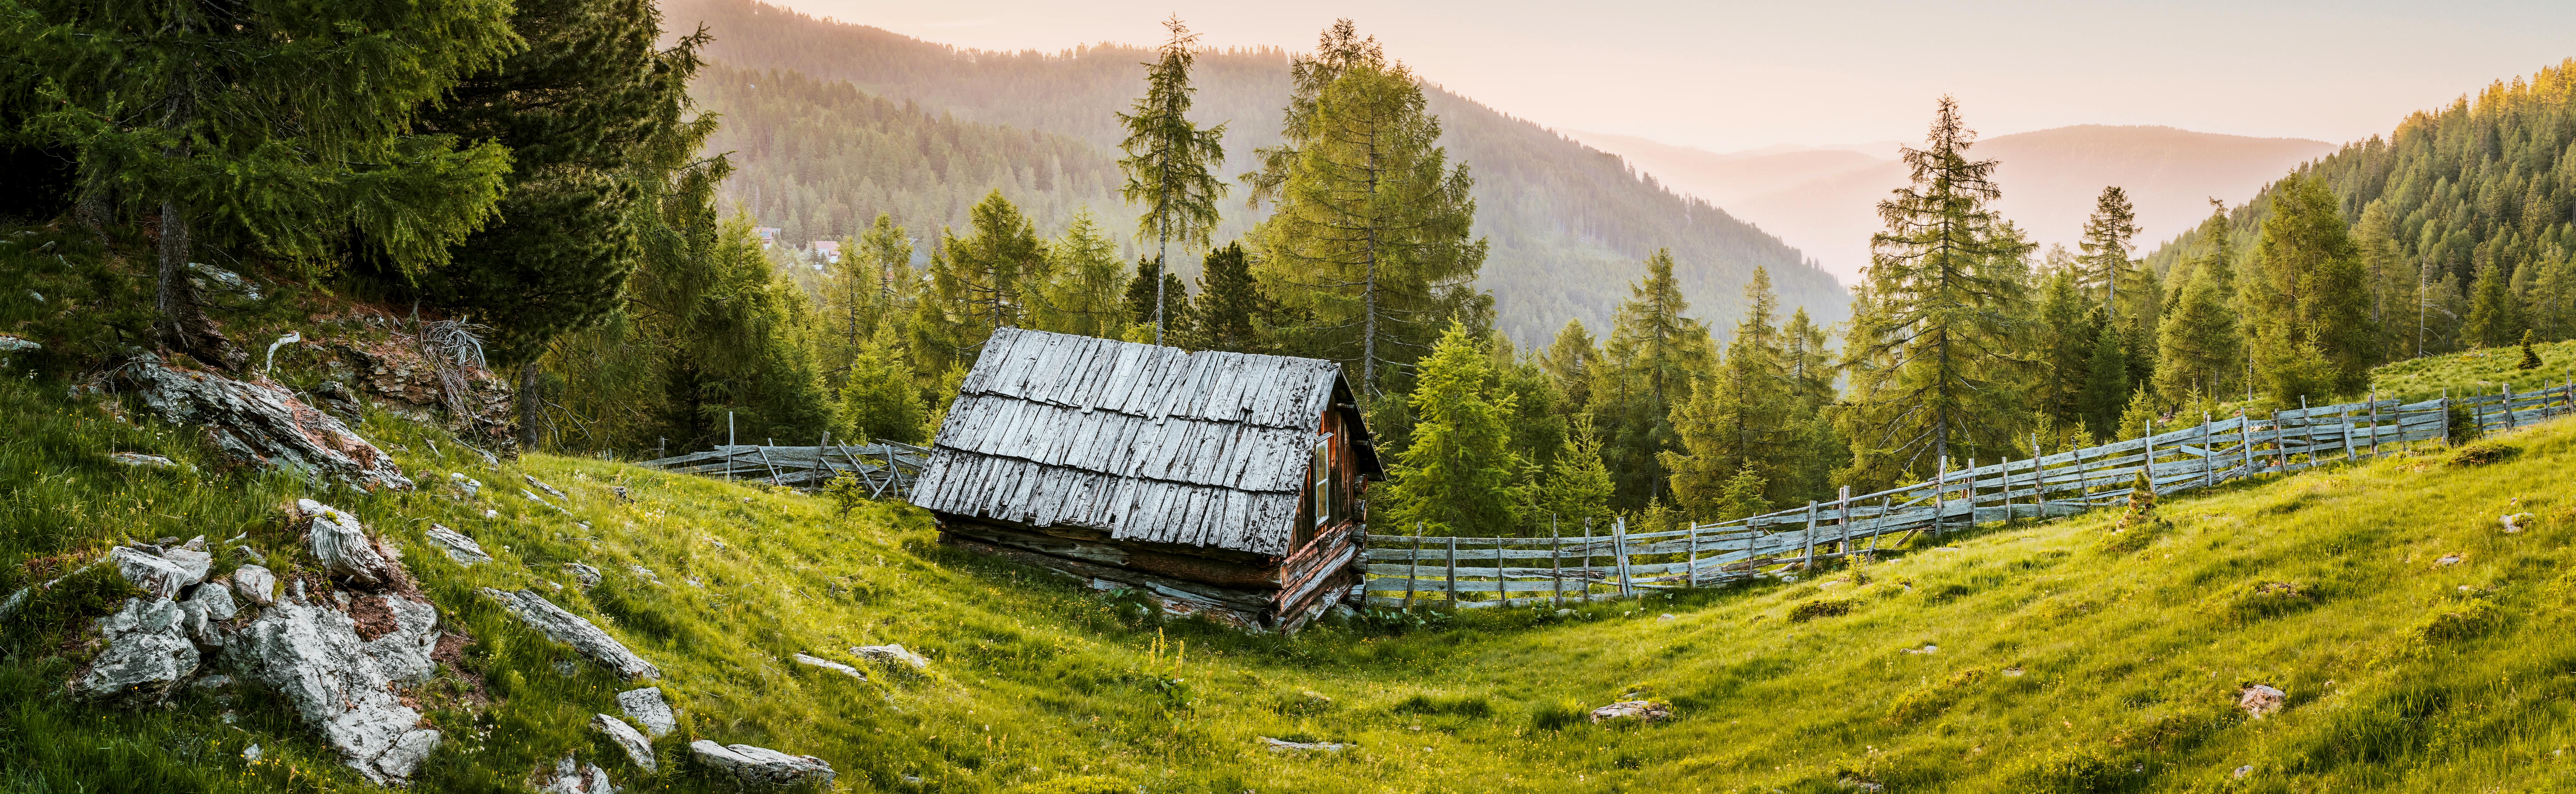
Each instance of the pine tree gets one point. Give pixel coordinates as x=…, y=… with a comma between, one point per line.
x=1456, y=473
x=264, y=130
x=1743, y=415
x=1569, y=360
x=575, y=108
x=1371, y=233
x=2106, y=386
x=2311, y=312
x=1231, y=312
x=2495, y=313
x=1653, y=355
x=1168, y=158
x=1578, y=485
x=1933, y=349
x=979, y=282
x=1082, y=293
x=1742, y=495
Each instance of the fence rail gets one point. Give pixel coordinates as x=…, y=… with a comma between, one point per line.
x=1523, y=571
x=885, y=468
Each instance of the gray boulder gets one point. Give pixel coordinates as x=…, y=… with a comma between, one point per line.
x=647, y=708
x=203, y=614
x=638, y=749
x=586, y=576
x=345, y=686
x=571, y=629
x=828, y=664
x=262, y=425
x=2259, y=700
x=141, y=461
x=572, y=777
x=340, y=544
x=1645, y=711
x=148, y=651
x=460, y=548
x=153, y=573
x=255, y=584
x=892, y=657
x=762, y=766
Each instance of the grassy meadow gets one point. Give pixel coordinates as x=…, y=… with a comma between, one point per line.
x=2047, y=659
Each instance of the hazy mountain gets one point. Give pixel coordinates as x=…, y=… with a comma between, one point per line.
x=1824, y=200
x=1569, y=224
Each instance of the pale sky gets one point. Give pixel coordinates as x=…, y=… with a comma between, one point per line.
x=1738, y=75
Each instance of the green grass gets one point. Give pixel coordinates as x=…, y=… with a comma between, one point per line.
x=2475, y=372
x=2128, y=662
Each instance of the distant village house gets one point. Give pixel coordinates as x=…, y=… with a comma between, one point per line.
x=1220, y=484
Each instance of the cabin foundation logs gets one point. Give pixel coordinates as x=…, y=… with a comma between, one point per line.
x=1232, y=588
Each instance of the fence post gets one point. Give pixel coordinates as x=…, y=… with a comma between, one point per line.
x=1555, y=562
x=1940, y=494
x=2509, y=422
x=2147, y=459
x=1587, y=559
x=1619, y=547
x=2245, y=440
x=1453, y=571
x=1842, y=504
x=2445, y=410
x=2374, y=424
x=1413, y=565
x=1807, y=562
x=819, y=465
x=729, y=446
x=1690, y=556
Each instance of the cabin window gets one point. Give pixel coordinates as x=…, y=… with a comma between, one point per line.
x=1322, y=483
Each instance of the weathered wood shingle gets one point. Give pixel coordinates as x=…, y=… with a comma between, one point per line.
x=1148, y=443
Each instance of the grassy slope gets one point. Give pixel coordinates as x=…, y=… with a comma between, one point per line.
x=2129, y=660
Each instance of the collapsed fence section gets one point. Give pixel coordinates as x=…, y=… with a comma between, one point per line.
x=885, y=468
x=1608, y=562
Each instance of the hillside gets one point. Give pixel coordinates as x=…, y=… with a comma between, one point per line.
x=1824, y=200
x=1569, y=224
x=2418, y=642
x=2487, y=181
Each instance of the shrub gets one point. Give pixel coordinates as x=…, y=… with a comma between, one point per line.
x=1074, y=785
x=1820, y=608
x=1460, y=705
x=2482, y=453
x=1555, y=715
x=2458, y=623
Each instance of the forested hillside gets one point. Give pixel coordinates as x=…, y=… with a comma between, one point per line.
x=1567, y=224
x=2465, y=210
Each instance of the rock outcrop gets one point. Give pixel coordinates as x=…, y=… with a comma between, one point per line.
x=411, y=379
x=255, y=584
x=762, y=766
x=893, y=657
x=1645, y=711
x=342, y=547
x=571, y=629
x=148, y=651
x=573, y=777
x=152, y=573
x=262, y=424
x=827, y=664
x=638, y=748
x=460, y=548
x=344, y=685
x=647, y=708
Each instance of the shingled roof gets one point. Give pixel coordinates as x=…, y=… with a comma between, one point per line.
x=1147, y=443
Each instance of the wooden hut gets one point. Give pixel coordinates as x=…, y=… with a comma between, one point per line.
x=1222, y=484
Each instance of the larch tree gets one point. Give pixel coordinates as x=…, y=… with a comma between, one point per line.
x=1168, y=161
x=1569, y=360
x=2312, y=332
x=979, y=282
x=272, y=130
x=1935, y=334
x=1370, y=233
x=1081, y=294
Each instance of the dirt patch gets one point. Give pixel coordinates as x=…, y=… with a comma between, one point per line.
x=2482, y=453
x=374, y=619
x=461, y=683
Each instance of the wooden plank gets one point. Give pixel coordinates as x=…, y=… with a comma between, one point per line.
x=1619, y=546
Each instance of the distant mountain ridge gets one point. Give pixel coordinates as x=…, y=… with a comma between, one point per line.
x=1569, y=225
x=1823, y=200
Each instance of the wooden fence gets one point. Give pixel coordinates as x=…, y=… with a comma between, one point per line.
x=1609, y=562
x=885, y=468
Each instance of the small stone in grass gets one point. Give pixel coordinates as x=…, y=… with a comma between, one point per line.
x=2259, y=700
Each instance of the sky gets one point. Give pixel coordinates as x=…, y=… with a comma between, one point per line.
x=1727, y=76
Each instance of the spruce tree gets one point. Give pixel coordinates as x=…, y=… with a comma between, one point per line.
x=1456, y=473
x=2530, y=357
x=2069, y=324
x=575, y=107
x=1742, y=495
x=2106, y=386
x=1231, y=312
x=1082, y=291
x=881, y=399
x=1152, y=284
x=1578, y=486
x=2495, y=313
x=263, y=130
x=2136, y=416
x=867, y=290
x=2199, y=348
x=1743, y=415
x=2310, y=308
x=1934, y=346
x=1370, y=235
x=1654, y=353
x=2105, y=263
x=1168, y=158
x=1569, y=360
